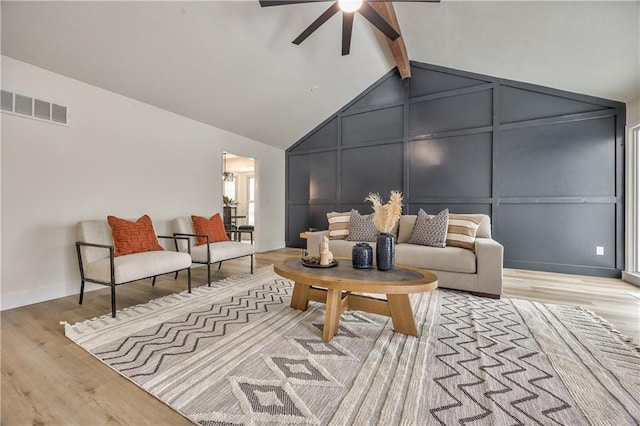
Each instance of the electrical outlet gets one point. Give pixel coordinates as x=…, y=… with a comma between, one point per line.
x=599, y=251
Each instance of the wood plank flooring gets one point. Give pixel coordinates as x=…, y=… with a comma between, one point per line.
x=48, y=380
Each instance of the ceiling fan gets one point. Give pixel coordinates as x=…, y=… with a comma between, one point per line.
x=348, y=8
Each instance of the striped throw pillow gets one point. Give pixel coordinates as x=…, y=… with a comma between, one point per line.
x=462, y=231
x=338, y=225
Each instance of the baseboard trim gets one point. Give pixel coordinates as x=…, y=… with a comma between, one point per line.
x=631, y=278
x=43, y=294
x=593, y=271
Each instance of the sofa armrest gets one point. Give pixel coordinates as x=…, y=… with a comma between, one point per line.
x=489, y=255
x=314, y=238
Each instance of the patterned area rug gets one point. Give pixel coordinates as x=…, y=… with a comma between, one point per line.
x=236, y=353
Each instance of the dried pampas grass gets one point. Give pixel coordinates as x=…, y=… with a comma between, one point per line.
x=386, y=215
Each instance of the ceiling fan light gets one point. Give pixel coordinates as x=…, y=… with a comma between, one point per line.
x=349, y=5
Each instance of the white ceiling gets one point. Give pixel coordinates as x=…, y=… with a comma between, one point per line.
x=231, y=64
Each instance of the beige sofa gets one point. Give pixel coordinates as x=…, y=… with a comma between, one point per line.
x=478, y=271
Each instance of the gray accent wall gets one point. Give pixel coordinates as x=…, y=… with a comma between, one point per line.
x=545, y=164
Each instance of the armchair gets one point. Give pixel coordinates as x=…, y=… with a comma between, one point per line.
x=98, y=264
x=210, y=252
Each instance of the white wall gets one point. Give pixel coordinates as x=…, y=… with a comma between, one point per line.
x=633, y=112
x=118, y=156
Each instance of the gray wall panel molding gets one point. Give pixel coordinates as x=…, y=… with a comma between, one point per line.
x=302, y=152
x=302, y=141
x=560, y=119
x=556, y=200
x=559, y=160
x=518, y=84
x=323, y=137
x=377, y=142
x=558, y=93
x=495, y=148
x=431, y=80
x=451, y=133
x=452, y=93
x=621, y=133
x=437, y=164
x=372, y=126
x=451, y=200
x=458, y=208
x=545, y=164
x=372, y=109
x=523, y=105
x=388, y=92
x=465, y=111
x=391, y=74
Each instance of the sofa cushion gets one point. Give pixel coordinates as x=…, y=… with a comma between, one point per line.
x=136, y=266
x=133, y=237
x=430, y=230
x=222, y=250
x=361, y=227
x=462, y=230
x=338, y=225
x=452, y=259
x=405, y=227
x=213, y=227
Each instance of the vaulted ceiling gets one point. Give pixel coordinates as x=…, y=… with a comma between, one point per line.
x=231, y=64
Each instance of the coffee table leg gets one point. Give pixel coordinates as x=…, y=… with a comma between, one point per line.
x=300, y=297
x=402, y=314
x=332, y=315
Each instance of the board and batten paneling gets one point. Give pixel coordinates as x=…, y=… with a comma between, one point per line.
x=545, y=164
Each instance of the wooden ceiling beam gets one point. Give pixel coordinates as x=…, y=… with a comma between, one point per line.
x=397, y=46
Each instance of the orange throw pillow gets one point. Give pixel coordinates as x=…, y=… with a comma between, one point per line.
x=133, y=237
x=213, y=227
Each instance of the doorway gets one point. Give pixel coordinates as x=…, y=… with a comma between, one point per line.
x=239, y=192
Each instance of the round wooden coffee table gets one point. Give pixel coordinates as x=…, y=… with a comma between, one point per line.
x=335, y=287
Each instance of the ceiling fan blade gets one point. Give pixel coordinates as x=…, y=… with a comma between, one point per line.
x=266, y=3
x=347, y=28
x=317, y=23
x=378, y=21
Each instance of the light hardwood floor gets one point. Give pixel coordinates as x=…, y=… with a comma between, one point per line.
x=47, y=379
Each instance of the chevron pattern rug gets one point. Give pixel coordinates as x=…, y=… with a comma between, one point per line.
x=236, y=353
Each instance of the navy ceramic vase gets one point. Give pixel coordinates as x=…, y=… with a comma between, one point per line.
x=362, y=256
x=385, y=251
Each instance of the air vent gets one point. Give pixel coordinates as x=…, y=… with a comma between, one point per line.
x=24, y=105
x=42, y=109
x=7, y=101
x=27, y=106
x=59, y=113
